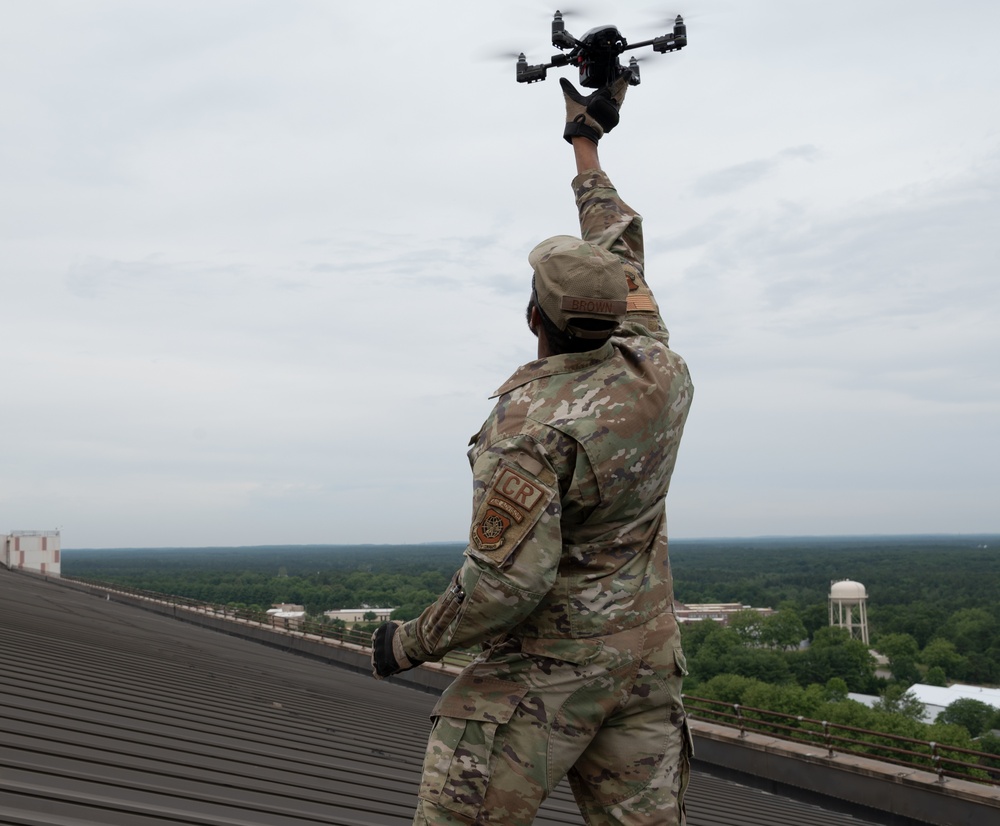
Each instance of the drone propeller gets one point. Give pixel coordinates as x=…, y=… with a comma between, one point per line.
x=571, y=11
x=575, y=12
x=502, y=55
x=659, y=20
x=564, y=13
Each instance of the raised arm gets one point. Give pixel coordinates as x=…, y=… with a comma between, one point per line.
x=606, y=220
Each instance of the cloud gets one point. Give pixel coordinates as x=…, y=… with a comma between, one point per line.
x=734, y=178
x=95, y=277
x=260, y=272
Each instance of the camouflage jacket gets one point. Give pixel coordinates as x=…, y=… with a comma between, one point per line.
x=568, y=537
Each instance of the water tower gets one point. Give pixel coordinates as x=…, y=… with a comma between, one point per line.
x=848, y=608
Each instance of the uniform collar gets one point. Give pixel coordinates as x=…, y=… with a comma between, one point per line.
x=554, y=366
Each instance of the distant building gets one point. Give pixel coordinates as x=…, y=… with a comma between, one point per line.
x=37, y=551
x=715, y=611
x=352, y=615
x=285, y=615
x=937, y=698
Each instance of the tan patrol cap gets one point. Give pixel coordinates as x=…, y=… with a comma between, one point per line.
x=577, y=279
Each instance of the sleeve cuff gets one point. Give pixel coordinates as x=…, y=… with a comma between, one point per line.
x=406, y=647
x=589, y=180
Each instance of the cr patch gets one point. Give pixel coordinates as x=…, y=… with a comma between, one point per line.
x=513, y=503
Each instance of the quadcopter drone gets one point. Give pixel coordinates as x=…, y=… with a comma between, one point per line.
x=597, y=53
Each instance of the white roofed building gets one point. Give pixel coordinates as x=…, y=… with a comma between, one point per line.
x=286, y=615
x=937, y=698
x=351, y=615
x=719, y=612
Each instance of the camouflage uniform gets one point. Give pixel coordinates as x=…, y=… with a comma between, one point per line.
x=566, y=581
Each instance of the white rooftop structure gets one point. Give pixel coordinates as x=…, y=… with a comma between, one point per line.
x=37, y=551
x=288, y=616
x=716, y=611
x=936, y=698
x=358, y=614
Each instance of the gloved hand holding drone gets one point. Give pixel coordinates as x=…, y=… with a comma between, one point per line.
x=590, y=116
x=596, y=55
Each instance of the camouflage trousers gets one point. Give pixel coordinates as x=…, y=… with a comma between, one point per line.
x=605, y=711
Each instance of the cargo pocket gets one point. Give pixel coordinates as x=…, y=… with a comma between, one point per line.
x=462, y=750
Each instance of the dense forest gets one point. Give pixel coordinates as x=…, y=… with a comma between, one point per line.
x=915, y=584
x=932, y=600
x=932, y=608
x=318, y=577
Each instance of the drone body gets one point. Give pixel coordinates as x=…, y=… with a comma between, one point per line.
x=596, y=53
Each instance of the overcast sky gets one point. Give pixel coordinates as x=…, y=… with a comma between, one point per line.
x=262, y=262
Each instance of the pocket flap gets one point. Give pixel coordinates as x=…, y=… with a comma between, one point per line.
x=480, y=698
x=576, y=651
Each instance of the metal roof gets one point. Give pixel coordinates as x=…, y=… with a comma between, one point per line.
x=934, y=695
x=114, y=715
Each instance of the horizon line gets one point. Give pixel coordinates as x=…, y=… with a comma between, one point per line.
x=756, y=537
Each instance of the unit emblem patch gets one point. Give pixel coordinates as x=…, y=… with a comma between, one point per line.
x=489, y=532
x=513, y=503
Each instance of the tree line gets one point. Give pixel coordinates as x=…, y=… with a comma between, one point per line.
x=932, y=610
x=932, y=600
x=320, y=578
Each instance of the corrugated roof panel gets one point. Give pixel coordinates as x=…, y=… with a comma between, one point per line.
x=113, y=715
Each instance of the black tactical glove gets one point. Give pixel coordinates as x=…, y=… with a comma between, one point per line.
x=590, y=116
x=388, y=657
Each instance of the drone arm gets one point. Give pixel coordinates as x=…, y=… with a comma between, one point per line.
x=663, y=43
x=677, y=39
x=531, y=74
